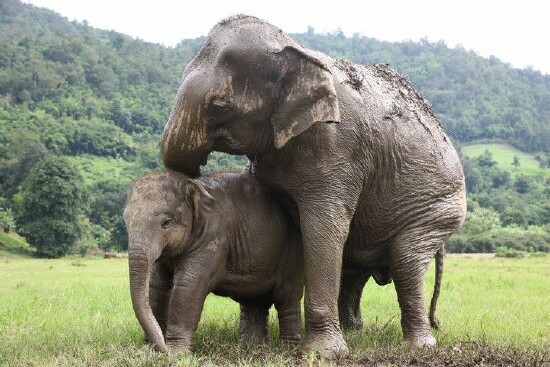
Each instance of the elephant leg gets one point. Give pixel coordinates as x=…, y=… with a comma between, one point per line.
x=290, y=316
x=189, y=290
x=253, y=325
x=324, y=231
x=349, y=300
x=409, y=262
x=159, y=295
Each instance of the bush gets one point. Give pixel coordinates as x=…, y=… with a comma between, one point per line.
x=508, y=252
x=49, y=204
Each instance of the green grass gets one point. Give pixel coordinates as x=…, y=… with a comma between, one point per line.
x=504, y=154
x=77, y=312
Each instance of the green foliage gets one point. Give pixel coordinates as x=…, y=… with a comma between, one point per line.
x=21, y=151
x=6, y=216
x=503, y=211
x=108, y=181
x=508, y=252
x=107, y=204
x=475, y=98
x=102, y=98
x=50, y=201
x=223, y=162
x=13, y=246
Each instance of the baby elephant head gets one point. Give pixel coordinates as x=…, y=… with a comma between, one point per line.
x=164, y=213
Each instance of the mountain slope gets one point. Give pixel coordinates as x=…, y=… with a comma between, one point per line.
x=103, y=98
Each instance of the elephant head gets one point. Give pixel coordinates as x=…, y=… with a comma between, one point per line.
x=165, y=213
x=251, y=87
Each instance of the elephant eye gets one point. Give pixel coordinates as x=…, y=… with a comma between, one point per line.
x=219, y=106
x=167, y=222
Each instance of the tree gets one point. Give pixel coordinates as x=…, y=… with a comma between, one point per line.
x=49, y=204
x=106, y=206
x=486, y=159
x=522, y=184
x=516, y=163
x=22, y=150
x=6, y=216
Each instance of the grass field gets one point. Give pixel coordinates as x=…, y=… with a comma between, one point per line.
x=504, y=154
x=77, y=312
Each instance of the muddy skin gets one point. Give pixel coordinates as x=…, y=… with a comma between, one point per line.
x=223, y=234
x=354, y=153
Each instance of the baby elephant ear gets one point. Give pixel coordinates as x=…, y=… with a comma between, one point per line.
x=306, y=95
x=199, y=199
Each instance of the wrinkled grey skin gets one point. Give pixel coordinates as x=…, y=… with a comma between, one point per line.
x=221, y=234
x=355, y=155
x=354, y=280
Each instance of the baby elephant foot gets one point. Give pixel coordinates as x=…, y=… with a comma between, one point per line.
x=329, y=348
x=351, y=323
x=178, y=347
x=253, y=338
x=423, y=340
x=295, y=338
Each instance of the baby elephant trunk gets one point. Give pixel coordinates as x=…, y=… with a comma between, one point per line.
x=140, y=273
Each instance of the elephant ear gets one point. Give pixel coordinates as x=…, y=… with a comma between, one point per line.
x=306, y=95
x=200, y=201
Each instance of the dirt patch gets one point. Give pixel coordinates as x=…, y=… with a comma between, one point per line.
x=355, y=78
x=459, y=355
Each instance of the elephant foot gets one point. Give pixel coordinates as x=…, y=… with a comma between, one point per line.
x=252, y=339
x=291, y=338
x=421, y=341
x=329, y=348
x=351, y=324
x=177, y=347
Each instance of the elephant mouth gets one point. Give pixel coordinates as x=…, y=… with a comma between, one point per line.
x=204, y=159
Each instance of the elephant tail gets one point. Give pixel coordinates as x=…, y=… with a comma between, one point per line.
x=440, y=254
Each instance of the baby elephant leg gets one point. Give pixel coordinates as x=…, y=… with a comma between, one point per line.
x=290, y=319
x=349, y=300
x=253, y=326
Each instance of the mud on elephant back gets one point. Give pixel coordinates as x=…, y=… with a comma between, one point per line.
x=354, y=153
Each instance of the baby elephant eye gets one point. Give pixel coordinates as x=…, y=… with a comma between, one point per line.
x=167, y=222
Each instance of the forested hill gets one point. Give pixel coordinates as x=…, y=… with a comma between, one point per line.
x=71, y=71
x=474, y=97
x=80, y=89
x=99, y=99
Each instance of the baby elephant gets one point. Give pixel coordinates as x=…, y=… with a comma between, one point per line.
x=222, y=234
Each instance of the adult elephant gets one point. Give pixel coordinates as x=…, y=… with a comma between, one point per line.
x=355, y=154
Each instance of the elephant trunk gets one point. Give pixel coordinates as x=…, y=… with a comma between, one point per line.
x=184, y=161
x=185, y=146
x=140, y=273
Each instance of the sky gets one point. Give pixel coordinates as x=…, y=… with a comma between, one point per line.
x=515, y=31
